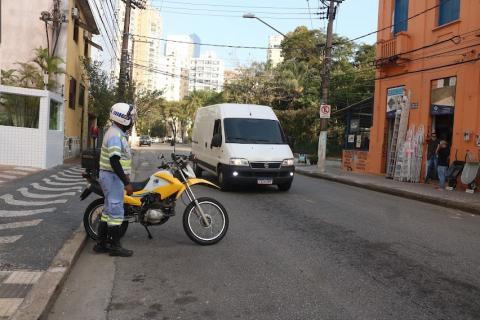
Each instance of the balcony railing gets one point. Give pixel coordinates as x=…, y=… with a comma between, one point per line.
x=392, y=50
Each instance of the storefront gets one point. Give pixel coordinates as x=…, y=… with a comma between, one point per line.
x=358, y=121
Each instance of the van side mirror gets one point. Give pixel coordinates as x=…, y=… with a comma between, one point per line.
x=216, y=141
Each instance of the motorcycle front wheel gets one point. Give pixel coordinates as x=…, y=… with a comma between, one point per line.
x=92, y=216
x=201, y=232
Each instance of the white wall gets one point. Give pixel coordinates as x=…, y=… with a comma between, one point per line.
x=40, y=148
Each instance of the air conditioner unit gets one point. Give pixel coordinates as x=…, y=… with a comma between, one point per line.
x=86, y=34
x=75, y=14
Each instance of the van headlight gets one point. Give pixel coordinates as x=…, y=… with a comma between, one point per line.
x=287, y=162
x=239, y=162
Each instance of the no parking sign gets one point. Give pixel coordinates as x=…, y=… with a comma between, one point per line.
x=325, y=111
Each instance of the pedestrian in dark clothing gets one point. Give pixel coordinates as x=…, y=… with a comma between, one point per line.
x=431, y=157
x=443, y=153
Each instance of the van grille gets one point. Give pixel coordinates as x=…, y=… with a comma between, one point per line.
x=265, y=165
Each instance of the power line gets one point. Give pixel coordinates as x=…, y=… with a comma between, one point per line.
x=205, y=44
x=232, y=16
x=310, y=14
x=230, y=11
x=233, y=6
x=106, y=30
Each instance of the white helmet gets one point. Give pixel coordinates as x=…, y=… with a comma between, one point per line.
x=123, y=113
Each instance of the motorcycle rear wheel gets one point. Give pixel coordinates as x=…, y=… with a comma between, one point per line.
x=91, y=218
x=196, y=229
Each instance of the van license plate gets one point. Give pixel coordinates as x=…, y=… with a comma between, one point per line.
x=264, y=181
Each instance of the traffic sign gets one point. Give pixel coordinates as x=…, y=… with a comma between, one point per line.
x=325, y=111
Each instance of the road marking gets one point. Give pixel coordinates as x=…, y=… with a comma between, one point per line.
x=24, y=213
x=75, y=172
x=54, y=176
x=8, y=198
x=6, y=176
x=1, y=181
x=9, y=239
x=40, y=187
x=22, y=224
x=17, y=172
x=23, y=277
x=27, y=194
x=26, y=169
x=8, y=306
x=76, y=169
x=53, y=183
x=69, y=175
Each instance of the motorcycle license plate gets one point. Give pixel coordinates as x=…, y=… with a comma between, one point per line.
x=264, y=181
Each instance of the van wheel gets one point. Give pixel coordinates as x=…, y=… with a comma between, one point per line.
x=224, y=185
x=198, y=171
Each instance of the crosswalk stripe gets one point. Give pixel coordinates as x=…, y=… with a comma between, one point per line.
x=28, y=194
x=53, y=183
x=76, y=173
x=26, y=169
x=22, y=224
x=8, y=198
x=21, y=173
x=8, y=306
x=69, y=175
x=54, y=176
x=23, y=277
x=24, y=213
x=6, y=176
x=9, y=239
x=40, y=187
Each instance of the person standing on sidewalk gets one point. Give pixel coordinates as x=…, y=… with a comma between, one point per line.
x=443, y=153
x=431, y=156
x=115, y=169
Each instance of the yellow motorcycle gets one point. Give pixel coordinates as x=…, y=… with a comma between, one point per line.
x=152, y=203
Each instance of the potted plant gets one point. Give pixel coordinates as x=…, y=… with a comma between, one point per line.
x=313, y=159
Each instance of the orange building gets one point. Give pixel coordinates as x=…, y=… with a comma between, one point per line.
x=428, y=50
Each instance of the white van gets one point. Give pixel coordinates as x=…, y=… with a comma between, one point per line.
x=242, y=144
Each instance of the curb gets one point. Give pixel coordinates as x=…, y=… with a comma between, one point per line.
x=400, y=193
x=40, y=299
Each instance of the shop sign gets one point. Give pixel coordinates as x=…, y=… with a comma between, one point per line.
x=395, y=97
x=443, y=96
x=354, y=125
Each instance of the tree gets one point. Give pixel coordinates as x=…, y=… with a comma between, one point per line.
x=102, y=93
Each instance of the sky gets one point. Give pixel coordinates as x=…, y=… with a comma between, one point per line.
x=221, y=22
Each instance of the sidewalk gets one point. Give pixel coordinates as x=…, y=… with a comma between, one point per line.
x=457, y=199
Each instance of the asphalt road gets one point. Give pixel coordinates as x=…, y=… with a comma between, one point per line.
x=320, y=251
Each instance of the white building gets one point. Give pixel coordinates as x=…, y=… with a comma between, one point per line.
x=179, y=50
x=206, y=73
x=274, y=53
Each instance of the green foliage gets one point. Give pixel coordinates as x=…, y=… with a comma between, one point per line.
x=23, y=111
x=102, y=94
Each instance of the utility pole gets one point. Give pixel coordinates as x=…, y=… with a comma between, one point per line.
x=122, y=81
x=322, y=139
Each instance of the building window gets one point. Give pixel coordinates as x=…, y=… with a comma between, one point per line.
x=400, y=16
x=81, y=96
x=85, y=49
x=54, y=121
x=449, y=10
x=72, y=93
x=76, y=31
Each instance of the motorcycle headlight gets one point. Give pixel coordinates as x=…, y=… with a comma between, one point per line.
x=239, y=162
x=287, y=162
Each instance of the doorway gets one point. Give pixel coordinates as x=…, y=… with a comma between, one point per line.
x=442, y=125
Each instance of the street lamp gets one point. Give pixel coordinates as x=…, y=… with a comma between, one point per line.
x=252, y=16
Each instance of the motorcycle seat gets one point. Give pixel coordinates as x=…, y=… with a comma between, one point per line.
x=137, y=186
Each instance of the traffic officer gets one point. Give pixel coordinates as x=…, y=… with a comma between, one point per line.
x=115, y=169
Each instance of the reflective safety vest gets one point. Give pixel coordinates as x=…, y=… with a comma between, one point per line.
x=115, y=144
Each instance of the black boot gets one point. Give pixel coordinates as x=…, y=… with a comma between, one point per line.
x=116, y=248
x=102, y=245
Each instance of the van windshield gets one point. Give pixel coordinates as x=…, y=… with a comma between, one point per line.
x=259, y=131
